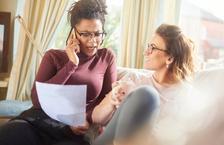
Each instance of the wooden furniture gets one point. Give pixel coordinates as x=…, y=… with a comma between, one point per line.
x=3, y=88
x=4, y=41
x=3, y=84
x=4, y=79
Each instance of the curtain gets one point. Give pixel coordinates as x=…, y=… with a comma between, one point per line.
x=170, y=11
x=139, y=20
x=41, y=17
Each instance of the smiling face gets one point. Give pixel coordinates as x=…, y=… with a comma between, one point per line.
x=89, y=32
x=156, y=57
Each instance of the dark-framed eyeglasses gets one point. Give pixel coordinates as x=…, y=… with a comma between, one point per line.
x=90, y=35
x=152, y=47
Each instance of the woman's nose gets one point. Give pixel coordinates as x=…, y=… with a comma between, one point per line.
x=92, y=38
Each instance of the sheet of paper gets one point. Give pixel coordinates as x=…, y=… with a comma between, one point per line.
x=65, y=103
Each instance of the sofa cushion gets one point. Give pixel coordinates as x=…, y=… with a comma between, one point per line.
x=13, y=107
x=123, y=72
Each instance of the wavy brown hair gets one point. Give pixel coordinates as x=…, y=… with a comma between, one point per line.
x=180, y=48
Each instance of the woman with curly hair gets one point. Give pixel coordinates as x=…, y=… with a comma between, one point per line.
x=81, y=62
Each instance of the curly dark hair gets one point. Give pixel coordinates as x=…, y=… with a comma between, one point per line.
x=87, y=9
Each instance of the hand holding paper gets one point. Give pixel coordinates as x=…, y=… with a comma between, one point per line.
x=64, y=103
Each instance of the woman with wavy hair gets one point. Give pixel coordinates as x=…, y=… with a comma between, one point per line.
x=170, y=55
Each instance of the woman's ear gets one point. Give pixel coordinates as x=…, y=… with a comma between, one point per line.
x=169, y=60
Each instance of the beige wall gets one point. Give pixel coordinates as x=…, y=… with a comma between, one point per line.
x=9, y=6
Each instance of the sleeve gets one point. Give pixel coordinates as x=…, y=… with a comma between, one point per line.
x=49, y=73
x=110, y=76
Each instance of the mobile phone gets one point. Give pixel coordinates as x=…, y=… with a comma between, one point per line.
x=71, y=35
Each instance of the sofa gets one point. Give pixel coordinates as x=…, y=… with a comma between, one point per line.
x=207, y=81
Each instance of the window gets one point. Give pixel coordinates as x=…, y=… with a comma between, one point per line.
x=112, y=27
x=59, y=39
x=203, y=21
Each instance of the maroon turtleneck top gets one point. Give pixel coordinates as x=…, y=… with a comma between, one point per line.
x=98, y=72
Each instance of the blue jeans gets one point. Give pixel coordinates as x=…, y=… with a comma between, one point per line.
x=139, y=108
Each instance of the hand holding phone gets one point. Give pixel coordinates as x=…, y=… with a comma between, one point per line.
x=73, y=48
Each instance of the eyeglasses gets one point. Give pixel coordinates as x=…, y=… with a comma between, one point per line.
x=90, y=35
x=152, y=47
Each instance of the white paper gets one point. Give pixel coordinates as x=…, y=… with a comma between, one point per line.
x=65, y=103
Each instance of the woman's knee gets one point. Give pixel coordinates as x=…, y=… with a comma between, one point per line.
x=144, y=96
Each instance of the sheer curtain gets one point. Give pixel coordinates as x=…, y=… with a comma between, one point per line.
x=40, y=17
x=139, y=20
